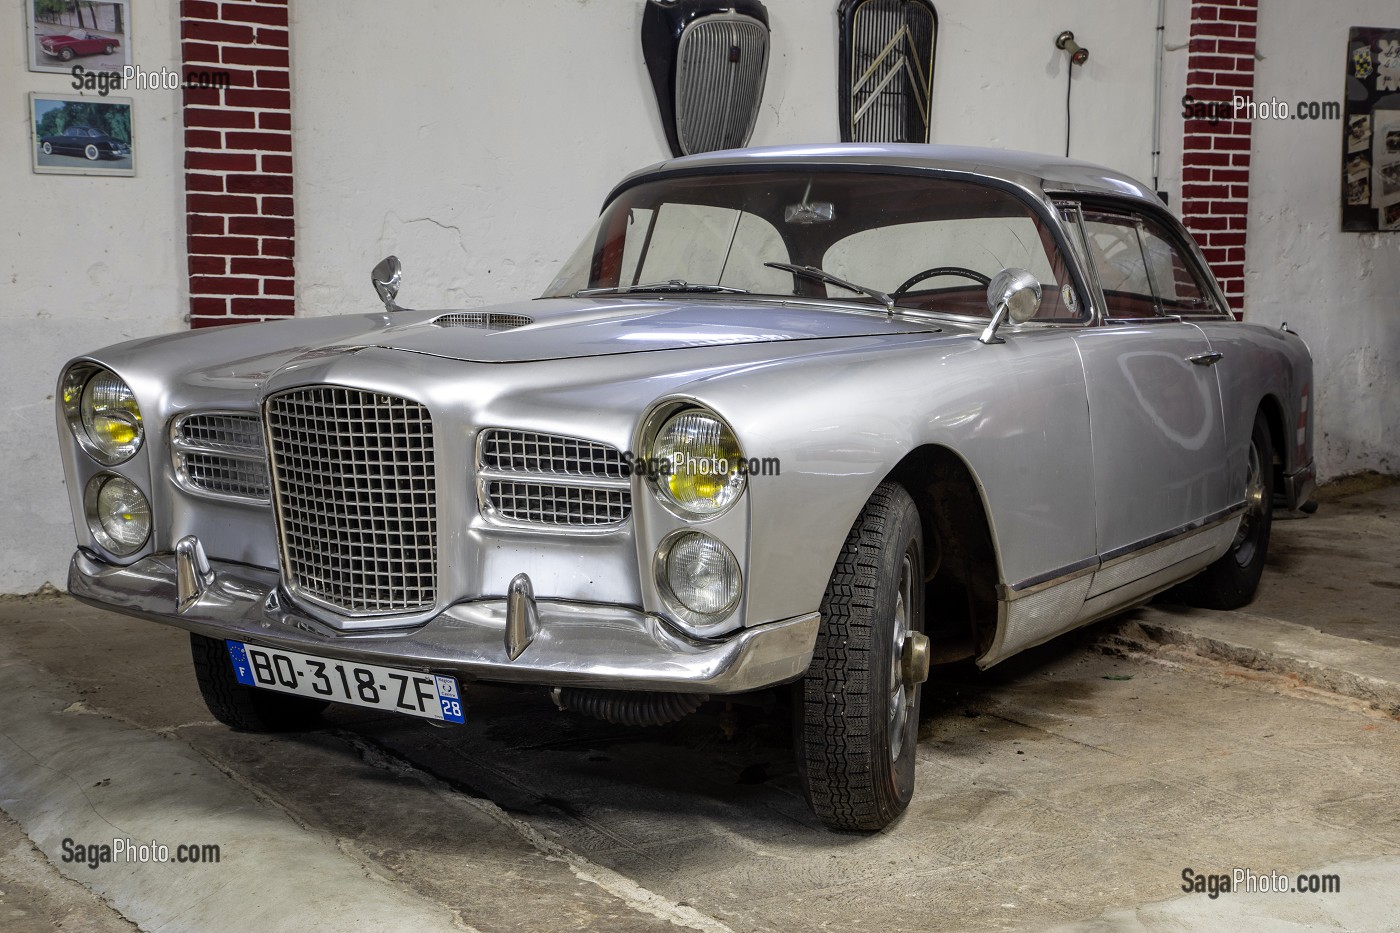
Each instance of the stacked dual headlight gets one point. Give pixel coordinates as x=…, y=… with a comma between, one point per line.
x=701, y=478
x=102, y=413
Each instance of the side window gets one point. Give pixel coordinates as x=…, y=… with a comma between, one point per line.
x=1175, y=279
x=1116, y=247
x=887, y=256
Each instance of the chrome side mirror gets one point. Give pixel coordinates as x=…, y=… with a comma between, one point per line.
x=1013, y=292
x=386, y=278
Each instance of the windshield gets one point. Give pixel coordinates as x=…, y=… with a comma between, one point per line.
x=928, y=244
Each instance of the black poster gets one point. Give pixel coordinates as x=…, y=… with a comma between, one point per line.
x=1371, y=133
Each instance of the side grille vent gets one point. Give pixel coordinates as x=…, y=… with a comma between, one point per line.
x=552, y=480
x=220, y=455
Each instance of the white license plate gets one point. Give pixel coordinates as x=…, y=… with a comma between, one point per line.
x=413, y=693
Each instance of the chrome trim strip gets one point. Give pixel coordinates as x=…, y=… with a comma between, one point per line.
x=1129, y=550
x=556, y=479
x=1031, y=585
x=1046, y=580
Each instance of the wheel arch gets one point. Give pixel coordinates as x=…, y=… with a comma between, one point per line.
x=961, y=565
x=1272, y=410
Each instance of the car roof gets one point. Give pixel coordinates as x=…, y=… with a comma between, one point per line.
x=1037, y=173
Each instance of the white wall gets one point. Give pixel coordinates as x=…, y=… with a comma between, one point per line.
x=84, y=262
x=477, y=140
x=1341, y=291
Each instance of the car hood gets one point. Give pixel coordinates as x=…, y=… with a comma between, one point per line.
x=572, y=328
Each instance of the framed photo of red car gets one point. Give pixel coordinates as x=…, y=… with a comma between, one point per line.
x=75, y=135
x=66, y=33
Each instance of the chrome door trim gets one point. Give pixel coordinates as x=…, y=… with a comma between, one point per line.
x=1044, y=581
x=1039, y=582
x=1148, y=544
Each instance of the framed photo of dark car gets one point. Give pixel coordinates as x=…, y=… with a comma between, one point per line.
x=65, y=33
x=76, y=135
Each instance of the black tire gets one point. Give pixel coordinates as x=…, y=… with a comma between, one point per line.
x=856, y=717
x=246, y=709
x=66, y=55
x=1232, y=581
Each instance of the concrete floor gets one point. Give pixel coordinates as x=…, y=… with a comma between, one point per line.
x=1069, y=787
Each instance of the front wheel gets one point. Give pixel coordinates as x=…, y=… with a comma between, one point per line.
x=92, y=152
x=66, y=55
x=48, y=148
x=247, y=709
x=857, y=715
x=1232, y=581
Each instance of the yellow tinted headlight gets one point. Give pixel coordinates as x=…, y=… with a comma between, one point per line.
x=102, y=412
x=702, y=470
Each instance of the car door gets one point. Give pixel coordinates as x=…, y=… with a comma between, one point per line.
x=1154, y=399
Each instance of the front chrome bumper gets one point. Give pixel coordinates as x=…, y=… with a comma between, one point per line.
x=572, y=645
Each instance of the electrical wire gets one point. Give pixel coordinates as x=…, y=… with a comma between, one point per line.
x=1069, y=86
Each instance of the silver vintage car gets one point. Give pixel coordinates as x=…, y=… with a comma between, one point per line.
x=816, y=416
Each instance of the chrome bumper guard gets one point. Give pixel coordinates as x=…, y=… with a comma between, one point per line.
x=569, y=644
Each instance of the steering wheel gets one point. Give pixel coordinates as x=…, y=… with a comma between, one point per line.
x=937, y=271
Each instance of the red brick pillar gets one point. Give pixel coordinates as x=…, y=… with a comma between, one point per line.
x=238, y=162
x=1215, y=152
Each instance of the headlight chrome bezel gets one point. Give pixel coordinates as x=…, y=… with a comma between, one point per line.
x=694, y=622
x=75, y=397
x=92, y=496
x=732, y=492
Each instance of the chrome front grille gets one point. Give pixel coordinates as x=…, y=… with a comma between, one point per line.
x=356, y=496
x=890, y=67
x=550, y=479
x=721, y=66
x=220, y=455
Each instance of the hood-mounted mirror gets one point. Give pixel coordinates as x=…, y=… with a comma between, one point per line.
x=1014, y=292
x=386, y=277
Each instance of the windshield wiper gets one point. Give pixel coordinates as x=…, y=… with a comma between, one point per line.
x=821, y=275
x=673, y=285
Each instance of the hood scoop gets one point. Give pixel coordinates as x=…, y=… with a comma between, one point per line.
x=482, y=320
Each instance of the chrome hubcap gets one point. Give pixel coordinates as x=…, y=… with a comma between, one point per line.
x=901, y=696
x=1253, y=507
